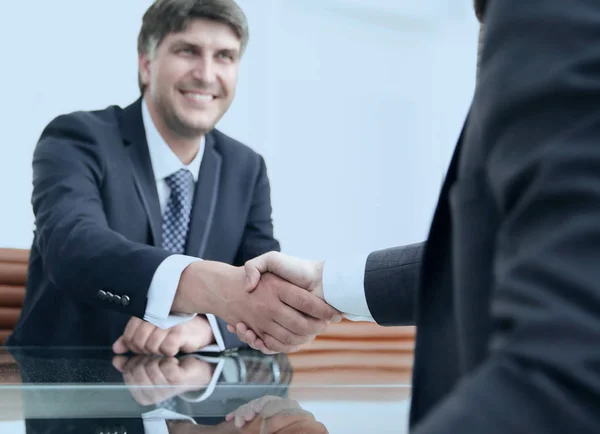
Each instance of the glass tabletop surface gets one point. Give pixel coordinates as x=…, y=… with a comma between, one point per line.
x=73, y=390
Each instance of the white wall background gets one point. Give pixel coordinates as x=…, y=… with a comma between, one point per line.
x=355, y=105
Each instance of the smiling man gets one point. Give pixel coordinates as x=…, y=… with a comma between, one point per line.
x=145, y=214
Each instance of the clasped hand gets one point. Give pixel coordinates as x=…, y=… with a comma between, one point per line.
x=307, y=305
x=274, y=304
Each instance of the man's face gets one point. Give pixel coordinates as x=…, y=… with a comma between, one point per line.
x=191, y=78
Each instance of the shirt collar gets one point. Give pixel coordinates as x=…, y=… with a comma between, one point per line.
x=163, y=159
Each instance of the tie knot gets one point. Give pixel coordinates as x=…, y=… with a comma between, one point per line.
x=180, y=182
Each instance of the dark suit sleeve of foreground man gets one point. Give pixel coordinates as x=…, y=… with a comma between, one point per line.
x=538, y=107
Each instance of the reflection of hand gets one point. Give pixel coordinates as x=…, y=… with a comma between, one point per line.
x=265, y=407
x=141, y=337
x=302, y=273
x=179, y=427
x=277, y=414
x=170, y=376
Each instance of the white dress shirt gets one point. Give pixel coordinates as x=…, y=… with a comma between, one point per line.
x=344, y=289
x=166, y=277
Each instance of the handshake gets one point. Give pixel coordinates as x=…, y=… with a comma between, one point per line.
x=274, y=303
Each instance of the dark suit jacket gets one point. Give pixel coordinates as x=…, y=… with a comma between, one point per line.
x=508, y=304
x=98, y=224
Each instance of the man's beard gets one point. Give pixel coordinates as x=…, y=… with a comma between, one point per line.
x=176, y=124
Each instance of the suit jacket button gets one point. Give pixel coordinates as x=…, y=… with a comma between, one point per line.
x=125, y=300
x=110, y=296
x=102, y=295
x=116, y=299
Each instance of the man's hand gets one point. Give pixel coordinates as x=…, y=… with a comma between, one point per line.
x=141, y=337
x=286, y=316
x=282, y=314
x=275, y=414
x=301, y=272
x=170, y=375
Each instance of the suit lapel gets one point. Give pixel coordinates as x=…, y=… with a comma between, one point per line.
x=205, y=199
x=134, y=137
x=441, y=223
x=452, y=173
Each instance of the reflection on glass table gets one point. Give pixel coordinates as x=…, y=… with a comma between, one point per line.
x=348, y=389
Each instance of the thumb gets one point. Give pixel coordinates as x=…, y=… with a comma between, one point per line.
x=256, y=267
x=252, y=276
x=300, y=272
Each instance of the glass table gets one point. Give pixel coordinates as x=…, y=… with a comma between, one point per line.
x=353, y=379
x=357, y=388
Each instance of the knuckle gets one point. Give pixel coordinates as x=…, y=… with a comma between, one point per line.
x=152, y=348
x=268, y=280
x=176, y=332
x=169, y=347
x=127, y=336
x=303, y=303
x=287, y=339
x=271, y=255
x=304, y=326
x=272, y=344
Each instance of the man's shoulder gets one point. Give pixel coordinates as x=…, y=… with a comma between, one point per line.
x=87, y=119
x=90, y=127
x=232, y=149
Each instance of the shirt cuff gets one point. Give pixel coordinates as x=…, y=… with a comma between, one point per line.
x=162, y=292
x=200, y=396
x=155, y=422
x=343, y=287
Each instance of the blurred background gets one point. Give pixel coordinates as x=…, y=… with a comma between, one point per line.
x=355, y=105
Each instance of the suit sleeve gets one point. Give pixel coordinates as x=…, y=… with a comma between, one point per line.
x=258, y=234
x=391, y=282
x=378, y=287
x=81, y=254
x=539, y=99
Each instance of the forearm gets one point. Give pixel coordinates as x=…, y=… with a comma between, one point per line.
x=205, y=287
